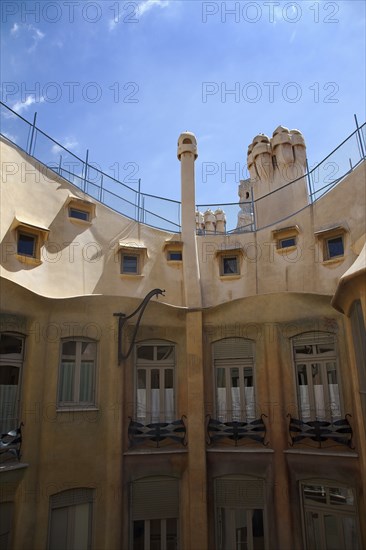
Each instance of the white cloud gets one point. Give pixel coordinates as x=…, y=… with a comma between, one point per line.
x=68, y=143
x=35, y=34
x=147, y=5
x=141, y=8
x=20, y=106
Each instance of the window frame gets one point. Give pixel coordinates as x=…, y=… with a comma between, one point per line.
x=133, y=250
x=228, y=363
x=27, y=234
x=130, y=255
x=73, y=209
x=77, y=404
x=327, y=254
x=326, y=235
x=70, y=496
x=40, y=236
x=248, y=483
x=80, y=205
x=173, y=247
x=15, y=361
x=322, y=359
x=161, y=366
x=172, y=508
x=337, y=510
x=284, y=234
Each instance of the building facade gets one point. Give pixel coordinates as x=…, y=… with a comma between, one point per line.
x=227, y=413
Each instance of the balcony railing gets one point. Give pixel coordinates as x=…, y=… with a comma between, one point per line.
x=157, y=432
x=321, y=431
x=10, y=445
x=236, y=431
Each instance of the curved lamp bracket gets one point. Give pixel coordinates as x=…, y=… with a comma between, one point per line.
x=122, y=318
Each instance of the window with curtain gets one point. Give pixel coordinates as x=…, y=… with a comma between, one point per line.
x=155, y=381
x=11, y=363
x=239, y=507
x=234, y=379
x=77, y=375
x=330, y=516
x=70, y=521
x=318, y=391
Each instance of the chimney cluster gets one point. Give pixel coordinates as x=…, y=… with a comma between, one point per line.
x=211, y=222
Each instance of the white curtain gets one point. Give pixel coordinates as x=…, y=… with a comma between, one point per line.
x=67, y=381
x=249, y=402
x=141, y=405
x=169, y=404
x=321, y=413
x=86, y=381
x=155, y=405
x=335, y=404
x=221, y=405
x=304, y=402
x=235, y=404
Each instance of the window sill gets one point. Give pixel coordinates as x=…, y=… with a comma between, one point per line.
x=230, y=277
x=155, y=451
x=242, y=450
x=29, y=260
x=316, y=452
x=77, y=221
x=286, y=249
x=332, y=261
x=131, y=275
x=75, y=408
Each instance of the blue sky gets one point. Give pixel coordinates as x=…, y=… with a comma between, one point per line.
x=124, y=79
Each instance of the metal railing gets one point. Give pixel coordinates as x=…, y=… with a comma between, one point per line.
x=174, y=431
x=236, y=431
x=160, y=212
x=320, y=431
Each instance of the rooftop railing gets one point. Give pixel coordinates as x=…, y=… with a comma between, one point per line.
x=160, y=212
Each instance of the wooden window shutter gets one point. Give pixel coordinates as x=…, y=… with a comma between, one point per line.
x=235, y=348
x=309, y=338
x=72, y=497
x=155, y=498
x=233, y=492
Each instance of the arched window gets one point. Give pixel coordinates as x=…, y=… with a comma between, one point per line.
x=234, y=379
x=317, y=384
x=239, y=507
x=155, y=382
x=154, y=510
x=70, y=521
x=11, y=363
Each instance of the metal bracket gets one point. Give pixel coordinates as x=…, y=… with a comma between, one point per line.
x=122, y=318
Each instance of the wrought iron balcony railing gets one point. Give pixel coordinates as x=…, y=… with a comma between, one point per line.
x=320, y=431
x=236, y=431
x=10, y=444
x=157, y=432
